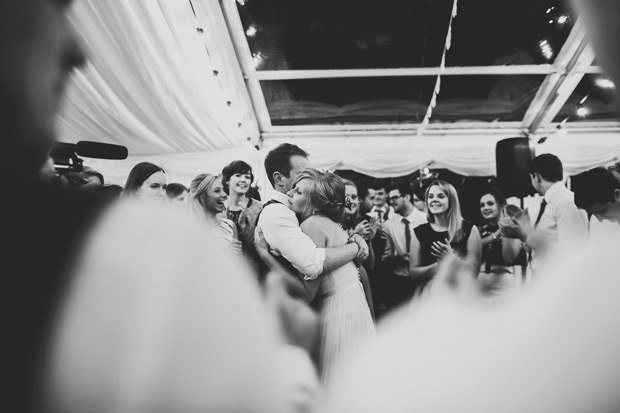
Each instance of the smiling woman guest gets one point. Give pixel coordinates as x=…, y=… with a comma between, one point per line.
x=500, y=256
x=237, y=178
x=206, y=200
x=445, y=233
x=146, y=181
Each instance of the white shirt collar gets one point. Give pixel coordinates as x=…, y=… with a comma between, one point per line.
x=279, y=196
x=555, y=190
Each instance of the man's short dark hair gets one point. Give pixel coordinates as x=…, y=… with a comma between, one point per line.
x=379, y=183
x=548, y=166
x=596, y=186
x=279, y=159
x=405, y=188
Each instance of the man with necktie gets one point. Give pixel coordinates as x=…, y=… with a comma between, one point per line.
x=399, y=286
x=383, y=212
x=559, y=222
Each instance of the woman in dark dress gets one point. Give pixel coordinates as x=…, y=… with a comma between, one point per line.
x=446, y=232
x=503, y=259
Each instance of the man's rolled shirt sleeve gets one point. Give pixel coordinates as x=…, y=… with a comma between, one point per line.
x=282, y=232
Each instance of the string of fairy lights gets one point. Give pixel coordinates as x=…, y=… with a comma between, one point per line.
x=216, y=74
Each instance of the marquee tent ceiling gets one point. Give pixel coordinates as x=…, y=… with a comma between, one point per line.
x=380, y=87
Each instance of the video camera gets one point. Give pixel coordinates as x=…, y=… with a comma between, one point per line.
x=69, y=166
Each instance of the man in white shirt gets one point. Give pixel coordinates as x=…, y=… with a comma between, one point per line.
x=559, y=224
x=380, y=207
x=399, y=230
x=280, y=226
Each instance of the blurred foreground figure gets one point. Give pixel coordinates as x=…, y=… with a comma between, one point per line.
x=127, y=329
x=556, y=349
x=170, y=324
x=41, y=223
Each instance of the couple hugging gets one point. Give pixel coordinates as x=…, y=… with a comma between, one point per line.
x=298, y=234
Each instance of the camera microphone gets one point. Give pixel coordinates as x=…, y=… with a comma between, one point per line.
x=101, y=150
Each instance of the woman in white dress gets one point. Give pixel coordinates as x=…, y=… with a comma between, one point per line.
x=318, y=200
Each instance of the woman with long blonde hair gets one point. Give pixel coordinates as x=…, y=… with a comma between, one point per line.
x=446, y=232
x=206, y=200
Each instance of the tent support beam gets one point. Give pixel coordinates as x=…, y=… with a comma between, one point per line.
x=544, y=69
x=557, y=88
x=242, y=49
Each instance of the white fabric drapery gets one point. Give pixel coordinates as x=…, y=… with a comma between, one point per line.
x=150, y=86
x=383, y=155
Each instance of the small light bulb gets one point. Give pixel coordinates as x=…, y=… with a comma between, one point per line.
x=426, y=171
x=257, y=60
x=605, y=83
x=545, y=49
x=582, y=111
x=563, y=19
x=251, y=31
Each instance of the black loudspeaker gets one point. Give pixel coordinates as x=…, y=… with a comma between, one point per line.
x=512, y=159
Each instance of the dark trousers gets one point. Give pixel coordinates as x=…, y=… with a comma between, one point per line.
x=399, y=290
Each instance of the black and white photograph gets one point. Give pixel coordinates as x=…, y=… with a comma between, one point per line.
x=310, y=206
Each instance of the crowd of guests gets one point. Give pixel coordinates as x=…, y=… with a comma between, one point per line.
x=352, y=261
x=170, y=297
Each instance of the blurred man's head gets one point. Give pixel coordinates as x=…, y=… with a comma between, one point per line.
x=598, y=192
x=39, y=50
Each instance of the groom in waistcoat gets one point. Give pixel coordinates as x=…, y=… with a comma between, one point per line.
x=280, y=226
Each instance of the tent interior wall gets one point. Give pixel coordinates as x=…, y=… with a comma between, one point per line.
x=177, y=82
